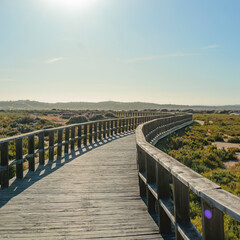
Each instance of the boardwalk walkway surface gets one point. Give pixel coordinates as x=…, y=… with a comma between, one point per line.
x=92, y=194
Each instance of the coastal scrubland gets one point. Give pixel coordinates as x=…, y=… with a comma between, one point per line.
x=210, y=147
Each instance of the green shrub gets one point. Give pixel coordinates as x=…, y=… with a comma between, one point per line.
x=25, y=120
x=77, y=119
x=234, y=140
x=96, y=117
x=110, y=115
x=218, y=137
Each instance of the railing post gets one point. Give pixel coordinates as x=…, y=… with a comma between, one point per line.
x=163, y=190
x=135, y=123
x=151, y=180
x=111, y=127
x=150, y=169
x=51, y=145
x=66, y=146
x=100, y=130
x=141, y=169
x=123, y=125
x=141, y=161
x=120, y=125
x=95, y=131
x=108, y=128
x=128, y=124
x=31, y=148
x=41, y=148
x=19, y=156
x=90, y=133
x=4, y=163
x=79, y=142
x=72, y=138
x=212, y=222
x=116, y=129
x=104, y=129
x=59, y=148
x=181, y=205
x=85, y=135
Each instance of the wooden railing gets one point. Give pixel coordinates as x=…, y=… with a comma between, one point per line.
x=159, y=173
x=136, y=113
x=39, y=146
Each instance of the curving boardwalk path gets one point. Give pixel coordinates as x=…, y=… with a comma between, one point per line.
x=92, y=194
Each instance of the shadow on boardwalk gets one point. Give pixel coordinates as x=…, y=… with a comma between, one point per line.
x=42, y=171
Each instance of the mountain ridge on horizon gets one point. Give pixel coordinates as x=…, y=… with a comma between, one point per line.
x=106, y=105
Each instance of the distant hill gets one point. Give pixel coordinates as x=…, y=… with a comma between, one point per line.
x=108, y=105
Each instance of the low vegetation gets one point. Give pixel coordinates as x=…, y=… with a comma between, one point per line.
x=18, y=122
x=195, y=147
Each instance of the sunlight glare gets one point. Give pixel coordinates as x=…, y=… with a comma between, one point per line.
x=71, y=4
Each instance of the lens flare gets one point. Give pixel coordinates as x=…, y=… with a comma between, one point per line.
x=208, y=214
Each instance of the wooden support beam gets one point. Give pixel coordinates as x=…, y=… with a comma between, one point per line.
x=95, y=132
x=66, y=145
x=31, y=148
x=212, y=222
x=59, y=148
x=41, y=148
x=163, y=190
x=51, y=146
x=90, y=132
x=181, y=205
x=4, y=163
x=72, y=138
x=85, y=135
x=79, y=142
x=19, y=155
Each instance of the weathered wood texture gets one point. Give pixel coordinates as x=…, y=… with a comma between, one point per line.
x=52, y=139
x=157, y=171
x=93, y=195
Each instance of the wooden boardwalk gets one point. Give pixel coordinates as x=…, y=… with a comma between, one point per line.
x=92, y=194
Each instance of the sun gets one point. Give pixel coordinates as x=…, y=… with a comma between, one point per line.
x=71, y=4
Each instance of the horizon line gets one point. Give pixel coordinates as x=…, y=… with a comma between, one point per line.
x=194, y=105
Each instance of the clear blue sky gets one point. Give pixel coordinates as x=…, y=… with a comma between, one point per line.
x=162, y=51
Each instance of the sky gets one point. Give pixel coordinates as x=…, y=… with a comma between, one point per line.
x=161, y=51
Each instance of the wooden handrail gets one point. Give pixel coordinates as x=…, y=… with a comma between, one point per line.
x=63, y=139
x=156, y=170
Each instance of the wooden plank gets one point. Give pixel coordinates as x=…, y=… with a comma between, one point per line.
x=19, y=155
x=31, y=148
x=163, y=193
x=85, y=135
x=79, y=142
x=59, y=148
x=181, y=205
x=212, y=222
x=41, y=148
x=51, y=145
x=72, y=138
x=90, y=130
x=98, y=199
x=4, y=163
x=66, y=145
x=100, y=130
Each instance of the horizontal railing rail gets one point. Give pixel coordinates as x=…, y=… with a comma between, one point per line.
x=159, y=173
x=136, y=113
x=39, y=146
